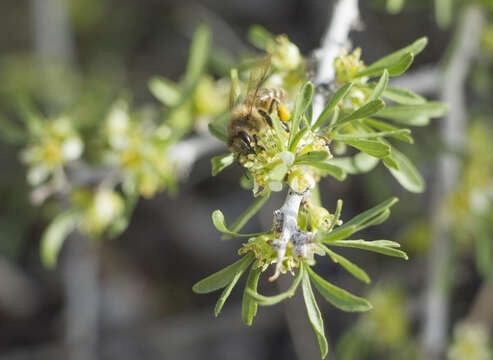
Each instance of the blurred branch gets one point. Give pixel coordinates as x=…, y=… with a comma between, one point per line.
x=52, y=37
x=186, y=152
x=453, y=131
x=425, y=81
x=54, y=42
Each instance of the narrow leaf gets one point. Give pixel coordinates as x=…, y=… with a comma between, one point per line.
x=331, y=104
x=219, y=131
x=386, y=128
x=313, y=156
x=325, y=167
x=227, y=291
x=404, y=97
x=374, y=246
x=359, y=164
x=223, y=277
x=387, y=61
x=413, y=115
x=249, y=305
x=407, y=175
x=219, y=163
x=314, y=315
x=164, y=90
x=395, y=67
x=364, y=111
x=303, y=99
x=55, y=234
x=380, y=87
x=372, y=135
x=371, y=147
x=220, y=225
x=199, y=54
x=338, y=297
x=354, y=269
x=260, y=37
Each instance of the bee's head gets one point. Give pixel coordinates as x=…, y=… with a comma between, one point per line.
x=242, y=143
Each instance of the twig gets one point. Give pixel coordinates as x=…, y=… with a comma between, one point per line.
x=453, y=132
x=344, y=16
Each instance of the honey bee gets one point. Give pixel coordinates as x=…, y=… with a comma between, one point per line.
x=253, y=114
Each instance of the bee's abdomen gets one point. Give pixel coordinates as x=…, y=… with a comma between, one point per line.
x=268, y=97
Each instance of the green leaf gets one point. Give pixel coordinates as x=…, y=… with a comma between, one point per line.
x=386, y=128
x=302, y=101
x=337, y=215
x=404, y=97
x=223, y=277
x=248, y=214
x=337, y=234
x=354, y=269
x=55, y=234
x=164, y=90
x=249, y=305
x=273, y=300
x=359, y=164
x=219, y=163
x=331, y=104
x=367, y=218
x=390, y=163
x=395, y=6
x=278, y=172
x=260, y=37
x=338, y=297
x=371, y=135
x=298, y=137
x=444, y=11
x=227, y=291
x=396, y=67
x=380, y=87
x=276, y=123
x=235, y=88
x=325, y=167
x=199, y=55
x=371, y=147
x=31, y=117
x=390, y=60
x=313, y=156
x=378, y=246
x=364, y=111
x=314, y=315
x=220, y=225
x=407, y=175
x=219, y=131
x=413, y=115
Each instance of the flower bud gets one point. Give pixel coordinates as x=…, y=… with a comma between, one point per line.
x=300, y=180
x=320, y=218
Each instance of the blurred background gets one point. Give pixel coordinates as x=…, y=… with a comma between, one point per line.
x=130, y=297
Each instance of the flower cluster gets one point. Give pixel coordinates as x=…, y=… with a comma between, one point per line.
x=53, y=144
x=303, y=150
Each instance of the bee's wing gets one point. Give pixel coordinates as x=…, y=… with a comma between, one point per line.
x=234, y=92
x=257, y=76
